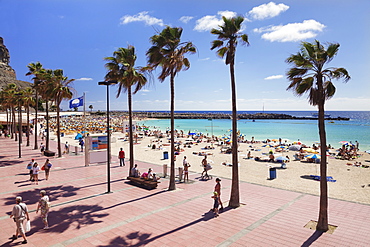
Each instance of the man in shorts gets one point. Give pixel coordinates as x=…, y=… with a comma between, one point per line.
x=19, y=214
x=186, y=169
x=204, y=164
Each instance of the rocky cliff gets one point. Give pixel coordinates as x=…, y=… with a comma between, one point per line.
x=7, y=73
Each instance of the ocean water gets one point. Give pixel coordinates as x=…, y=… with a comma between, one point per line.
x=356, y=129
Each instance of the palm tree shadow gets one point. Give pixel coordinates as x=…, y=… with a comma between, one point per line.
x=316, y=235
x=142, y=239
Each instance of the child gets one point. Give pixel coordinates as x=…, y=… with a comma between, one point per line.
x=216, y=203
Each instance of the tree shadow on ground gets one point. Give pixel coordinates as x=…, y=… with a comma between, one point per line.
x=309, y=177
x=75, y=216
x=32, y=196
x=138, y=239
x=316, y=235
x=10, y=162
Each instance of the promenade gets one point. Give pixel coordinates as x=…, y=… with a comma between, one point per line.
x=83, y=214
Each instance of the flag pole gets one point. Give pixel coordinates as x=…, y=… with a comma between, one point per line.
x=84, y=100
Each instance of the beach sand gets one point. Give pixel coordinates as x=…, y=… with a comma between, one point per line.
x=352, y=183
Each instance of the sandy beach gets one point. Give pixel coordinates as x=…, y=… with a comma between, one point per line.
x=352, y=183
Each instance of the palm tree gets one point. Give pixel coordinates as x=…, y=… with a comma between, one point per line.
x=46, y=88
x=28, y=100
x=121, y=68
x=228, y=36
x=35, y=69
x=169, y=52
x=91, y=107
x=10, y=99
x=308, y=75
x=61, y=90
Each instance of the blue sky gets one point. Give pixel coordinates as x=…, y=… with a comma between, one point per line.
x=76, y=36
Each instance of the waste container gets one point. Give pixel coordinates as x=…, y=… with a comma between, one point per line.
x=272, y=172
x=165, y=155
x=165, y=170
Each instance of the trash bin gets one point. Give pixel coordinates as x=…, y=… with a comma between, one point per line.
x=165, y=170
x=272, y=173
x=165, y=155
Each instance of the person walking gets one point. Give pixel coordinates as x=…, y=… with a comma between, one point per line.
x=186, y=165
x=66, y=148
x=204, y=165
x=218, y=190
x=216, y=200
x=47, y=167
x=121, y=156
x=35, y=172
x=81, y=143
x=19, y=214
x=44, y=207
x=29, y=167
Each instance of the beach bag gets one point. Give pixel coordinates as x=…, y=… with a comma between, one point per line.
x=43, y=168
x=50, y=165
x=208, y=167
x=28, y=225
x=29, y=167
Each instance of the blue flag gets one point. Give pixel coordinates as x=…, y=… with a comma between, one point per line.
x=76, y=102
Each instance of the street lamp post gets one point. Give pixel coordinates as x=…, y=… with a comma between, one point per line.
x=108, y=83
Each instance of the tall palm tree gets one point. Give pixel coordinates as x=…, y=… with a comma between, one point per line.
x=308, y=75
x=46, y=88
x=10, y=99
x=169, y=52
x=121, y=68
x=60, y=90
x=28, y=100
x=228, y=36
x=35, y=69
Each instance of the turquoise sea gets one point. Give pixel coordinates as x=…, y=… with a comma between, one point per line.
x=356, y=129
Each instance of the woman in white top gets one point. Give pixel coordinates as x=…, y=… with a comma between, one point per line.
x=35, y=172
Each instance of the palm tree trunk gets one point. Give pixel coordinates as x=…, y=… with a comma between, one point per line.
x=36, y=120
x=14, y=124
x=8, y=121
x=234, y=195
x=28, y=125
x=172, y=185
x=58, y=128
x=47, y=123
x=131, y=140
x=322, y=224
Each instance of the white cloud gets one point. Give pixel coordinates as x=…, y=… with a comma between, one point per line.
x=268, y=10
x=143, y=17
x=274, y=77
x=204, y=59
x=291, y=32
x=145, y=90
x=186, y=19
x=84, y=79
x=208, y=22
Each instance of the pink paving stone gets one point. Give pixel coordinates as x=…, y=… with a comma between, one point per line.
x=175, y=222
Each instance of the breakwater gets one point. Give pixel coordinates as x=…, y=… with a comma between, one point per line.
x=191, y=115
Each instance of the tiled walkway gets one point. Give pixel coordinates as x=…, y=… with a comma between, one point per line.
x=83, y=214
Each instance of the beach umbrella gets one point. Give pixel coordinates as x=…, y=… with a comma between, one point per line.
x=310, y=150
x=346, y=143
x=297, y=143
x=295, y=147
x=313, y=156
x=268, y=145
x=281, y=158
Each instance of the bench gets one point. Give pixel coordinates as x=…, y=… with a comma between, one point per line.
x=147, y=183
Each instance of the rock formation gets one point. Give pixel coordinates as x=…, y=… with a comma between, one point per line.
x=7, y=73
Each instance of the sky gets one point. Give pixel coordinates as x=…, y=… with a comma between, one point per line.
x=76, y=36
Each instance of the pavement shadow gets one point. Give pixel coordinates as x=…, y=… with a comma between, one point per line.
x=10, y=163
x=32, y=196
x=68, y=217
x=137, y=239
x=316, y=235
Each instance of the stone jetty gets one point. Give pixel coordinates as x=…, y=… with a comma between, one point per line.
x=192, y=115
